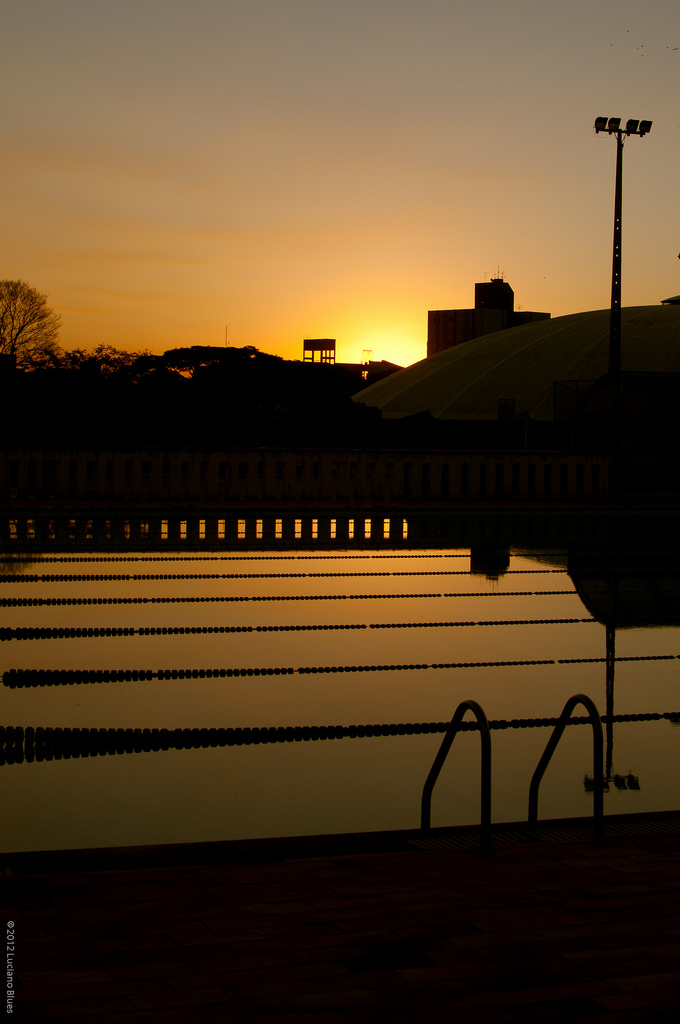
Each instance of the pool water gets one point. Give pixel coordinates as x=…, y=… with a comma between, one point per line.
x=336, y=638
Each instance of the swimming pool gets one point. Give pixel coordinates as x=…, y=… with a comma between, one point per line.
x=304, y=690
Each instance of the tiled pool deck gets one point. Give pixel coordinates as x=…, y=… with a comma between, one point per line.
x=529, y=932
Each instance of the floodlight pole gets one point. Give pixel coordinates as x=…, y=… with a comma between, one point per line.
x=615, y=314
x=612, y=126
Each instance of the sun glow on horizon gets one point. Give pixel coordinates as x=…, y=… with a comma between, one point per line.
x=395, y=344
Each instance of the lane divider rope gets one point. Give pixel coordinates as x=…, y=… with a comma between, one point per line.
x=51, y=602
x=18, y=677
x=142, y=577
x=45, y=744
x=275, y=557
x=87, y=632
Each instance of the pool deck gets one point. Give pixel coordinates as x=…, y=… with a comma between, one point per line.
x=526, y=932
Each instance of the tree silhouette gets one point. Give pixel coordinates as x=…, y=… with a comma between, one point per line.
x=28, y=327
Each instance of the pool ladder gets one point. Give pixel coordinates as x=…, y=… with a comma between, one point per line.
x=485, y=736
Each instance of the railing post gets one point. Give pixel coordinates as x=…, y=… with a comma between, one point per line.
x=485, y=736
x=598, y=767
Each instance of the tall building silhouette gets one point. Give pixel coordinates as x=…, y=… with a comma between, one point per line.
x=494, y=311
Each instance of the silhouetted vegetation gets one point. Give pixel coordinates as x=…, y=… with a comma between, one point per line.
x=195, y=396
x=28, y=327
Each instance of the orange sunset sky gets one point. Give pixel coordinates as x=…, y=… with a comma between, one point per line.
x=330, y=168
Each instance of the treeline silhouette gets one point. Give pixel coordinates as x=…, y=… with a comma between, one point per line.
x=187, y=396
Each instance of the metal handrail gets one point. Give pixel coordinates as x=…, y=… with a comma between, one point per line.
x=485, y=736
x=598, y=759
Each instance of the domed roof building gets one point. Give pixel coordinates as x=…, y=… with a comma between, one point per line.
x=525, y=363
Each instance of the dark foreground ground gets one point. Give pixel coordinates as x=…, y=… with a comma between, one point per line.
x=530, y=932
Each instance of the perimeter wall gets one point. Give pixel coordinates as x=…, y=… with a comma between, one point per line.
x=257, y=475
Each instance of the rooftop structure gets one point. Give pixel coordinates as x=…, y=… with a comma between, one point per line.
x=494, y=310
x=318, y=350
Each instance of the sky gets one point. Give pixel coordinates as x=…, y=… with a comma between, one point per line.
x=192, y=172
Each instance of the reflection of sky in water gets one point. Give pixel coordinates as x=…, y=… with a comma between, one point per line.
x=322, y=786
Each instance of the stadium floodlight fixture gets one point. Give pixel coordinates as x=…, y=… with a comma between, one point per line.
x=612, y=126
